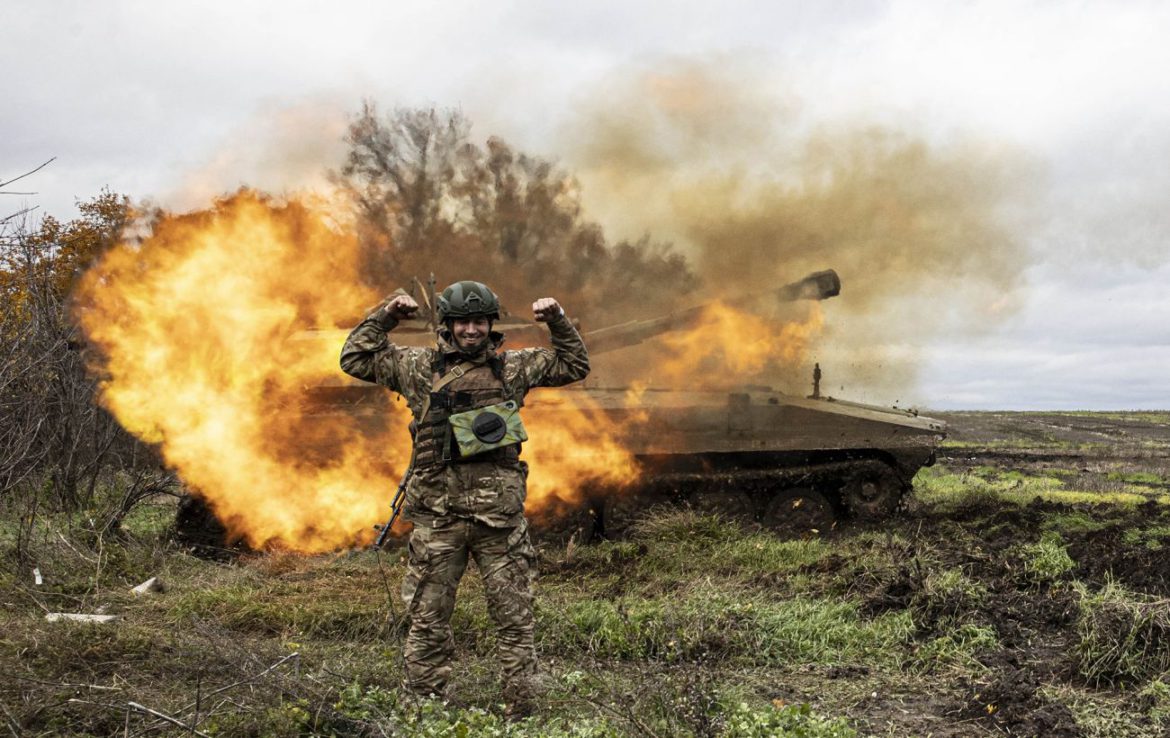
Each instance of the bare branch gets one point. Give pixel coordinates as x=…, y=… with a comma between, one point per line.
x=31, y=171
x=168, y=718
x=66, y=685
x=18, y=213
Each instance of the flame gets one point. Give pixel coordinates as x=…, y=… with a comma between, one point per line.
x=574, y=445
x=192, y=326
x=726, y=339
x=195, y=330
x=196, y=326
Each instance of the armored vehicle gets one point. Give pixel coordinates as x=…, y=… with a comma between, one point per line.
x=787, y=462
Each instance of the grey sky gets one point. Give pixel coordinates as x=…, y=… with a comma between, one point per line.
x=178, y=101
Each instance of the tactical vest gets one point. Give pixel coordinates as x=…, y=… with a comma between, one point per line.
x=480, y=385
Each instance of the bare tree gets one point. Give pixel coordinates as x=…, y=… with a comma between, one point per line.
x=56, y=444
x=399, y=173
x=427, y=198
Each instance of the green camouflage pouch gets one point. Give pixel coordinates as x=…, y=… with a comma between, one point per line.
x=487, y=428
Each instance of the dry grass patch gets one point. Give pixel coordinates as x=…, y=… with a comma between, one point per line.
x=1124, y=637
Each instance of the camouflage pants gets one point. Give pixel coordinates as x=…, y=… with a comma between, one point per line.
x=438, y=558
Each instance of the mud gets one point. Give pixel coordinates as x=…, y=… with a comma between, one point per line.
x=1035, y=619
x=1010, y=701
x=1116, y=434
x=1106, y=554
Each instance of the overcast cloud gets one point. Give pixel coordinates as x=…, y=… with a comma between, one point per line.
x=179, y=101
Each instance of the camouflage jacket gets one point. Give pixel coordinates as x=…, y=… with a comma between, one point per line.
x=491, y=492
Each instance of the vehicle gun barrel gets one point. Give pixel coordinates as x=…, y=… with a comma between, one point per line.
x=816, y=286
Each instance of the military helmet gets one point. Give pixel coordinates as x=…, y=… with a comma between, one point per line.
x=468, y=299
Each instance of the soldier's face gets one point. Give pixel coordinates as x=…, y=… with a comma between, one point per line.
x=470, y=332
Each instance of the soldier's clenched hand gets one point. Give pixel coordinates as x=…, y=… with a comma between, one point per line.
x=546, y=309
x=400, y=307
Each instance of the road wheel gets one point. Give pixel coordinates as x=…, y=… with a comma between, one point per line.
x=872, y=492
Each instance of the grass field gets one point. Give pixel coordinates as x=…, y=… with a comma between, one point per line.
x=1023, y=590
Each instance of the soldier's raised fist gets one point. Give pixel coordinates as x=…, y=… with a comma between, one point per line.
x=546, y=309
x=400, y=307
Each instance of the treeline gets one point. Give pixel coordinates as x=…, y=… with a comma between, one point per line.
x=423, y=198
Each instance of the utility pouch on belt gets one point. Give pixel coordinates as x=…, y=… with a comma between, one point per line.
x=487, y=428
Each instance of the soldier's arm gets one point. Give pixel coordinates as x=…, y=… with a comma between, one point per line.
x=566, y=362
x=368, y=354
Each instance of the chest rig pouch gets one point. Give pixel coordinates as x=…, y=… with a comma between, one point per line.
x=488, y=428
x=468, y=416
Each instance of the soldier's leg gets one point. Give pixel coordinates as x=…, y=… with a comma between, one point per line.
x=438, y=558
x=506, y=561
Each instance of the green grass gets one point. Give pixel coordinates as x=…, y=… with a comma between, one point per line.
x=726, y=718
x=1103, y=715
x=947, y=490
x=694, y=626
x=999, y=443
x=1047, y=560
x=948, y=590
x=690, y=526
x=1046, y=444
x=1137, y=478
x=939, y=486
x=399, y=715
x=1157, y=696
x=150, y=520
x=676, y=548
x=1074, y=522
x=960, y=648
x=691, y=591
x=825, y=631
x=797, y=721
x=284, y=612
x=1153, y=418
x=1153, y=538
x=764, y=553
x=713, y=622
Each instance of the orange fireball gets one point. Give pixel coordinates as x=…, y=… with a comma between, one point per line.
x=196, y=330
x=195, y=334
x=192, y=327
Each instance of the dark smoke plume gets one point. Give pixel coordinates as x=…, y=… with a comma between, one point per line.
x=923, y=234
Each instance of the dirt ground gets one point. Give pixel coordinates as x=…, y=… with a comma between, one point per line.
x=1097, y=484
x=1023, y=590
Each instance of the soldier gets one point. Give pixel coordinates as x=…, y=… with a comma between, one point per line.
x=466, y=493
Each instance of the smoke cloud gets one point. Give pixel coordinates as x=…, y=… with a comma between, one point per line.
x=720, y=160
x=926, y=235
